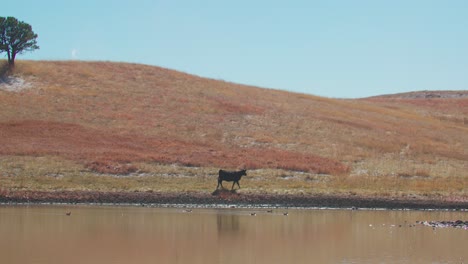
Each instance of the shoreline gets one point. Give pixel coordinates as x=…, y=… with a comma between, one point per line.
x=226, y=199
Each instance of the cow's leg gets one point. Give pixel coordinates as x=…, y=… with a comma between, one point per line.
x=238, y=184
x=232, y=188
x=220, y=183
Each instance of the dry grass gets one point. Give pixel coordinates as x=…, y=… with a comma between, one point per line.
x=106, y=153
x=56, y=174
x=117, y=118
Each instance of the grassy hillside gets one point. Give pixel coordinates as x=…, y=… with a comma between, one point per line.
x=72, y=125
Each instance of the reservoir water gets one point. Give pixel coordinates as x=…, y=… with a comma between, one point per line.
x=106, y=234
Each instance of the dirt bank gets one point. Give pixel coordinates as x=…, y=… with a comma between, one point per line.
x=226, y=198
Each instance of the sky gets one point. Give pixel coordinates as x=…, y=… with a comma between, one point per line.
x=331, y=48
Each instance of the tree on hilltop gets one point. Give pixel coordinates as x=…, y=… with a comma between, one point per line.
x=16, y=37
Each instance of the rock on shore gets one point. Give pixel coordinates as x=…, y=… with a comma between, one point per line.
x=443, y=224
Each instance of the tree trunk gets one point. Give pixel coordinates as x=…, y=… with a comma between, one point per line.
x=11, y=59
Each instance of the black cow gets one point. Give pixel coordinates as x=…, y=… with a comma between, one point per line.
x=229, y=176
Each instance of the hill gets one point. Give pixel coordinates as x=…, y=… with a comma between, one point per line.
x=426, y=95
x=82, y=119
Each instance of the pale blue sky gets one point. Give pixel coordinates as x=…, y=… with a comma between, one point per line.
x=348, y=48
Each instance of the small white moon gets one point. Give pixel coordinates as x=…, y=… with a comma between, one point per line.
x=74, y=54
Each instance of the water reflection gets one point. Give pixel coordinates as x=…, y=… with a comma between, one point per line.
x=45, y=234
x=228, y=224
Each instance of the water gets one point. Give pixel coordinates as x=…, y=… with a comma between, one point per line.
x=94, y=234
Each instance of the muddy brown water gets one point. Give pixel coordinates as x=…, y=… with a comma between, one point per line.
x=106, y=234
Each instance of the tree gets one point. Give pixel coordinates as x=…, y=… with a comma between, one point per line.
x=16, y=37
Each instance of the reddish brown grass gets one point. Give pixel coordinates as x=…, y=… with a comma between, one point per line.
x=111, y=115
x=106, y=153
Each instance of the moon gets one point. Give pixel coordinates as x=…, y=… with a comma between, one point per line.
x=74, y=54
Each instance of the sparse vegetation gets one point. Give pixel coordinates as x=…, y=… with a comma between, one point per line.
x=125, y=127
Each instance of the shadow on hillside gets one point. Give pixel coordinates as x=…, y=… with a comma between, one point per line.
x=5, y=70
x=224, y=192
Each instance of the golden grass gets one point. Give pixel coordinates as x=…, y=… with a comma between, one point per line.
x=57, y=174
x=117, y=117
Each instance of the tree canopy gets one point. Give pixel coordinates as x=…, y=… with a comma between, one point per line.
x=16, y=37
